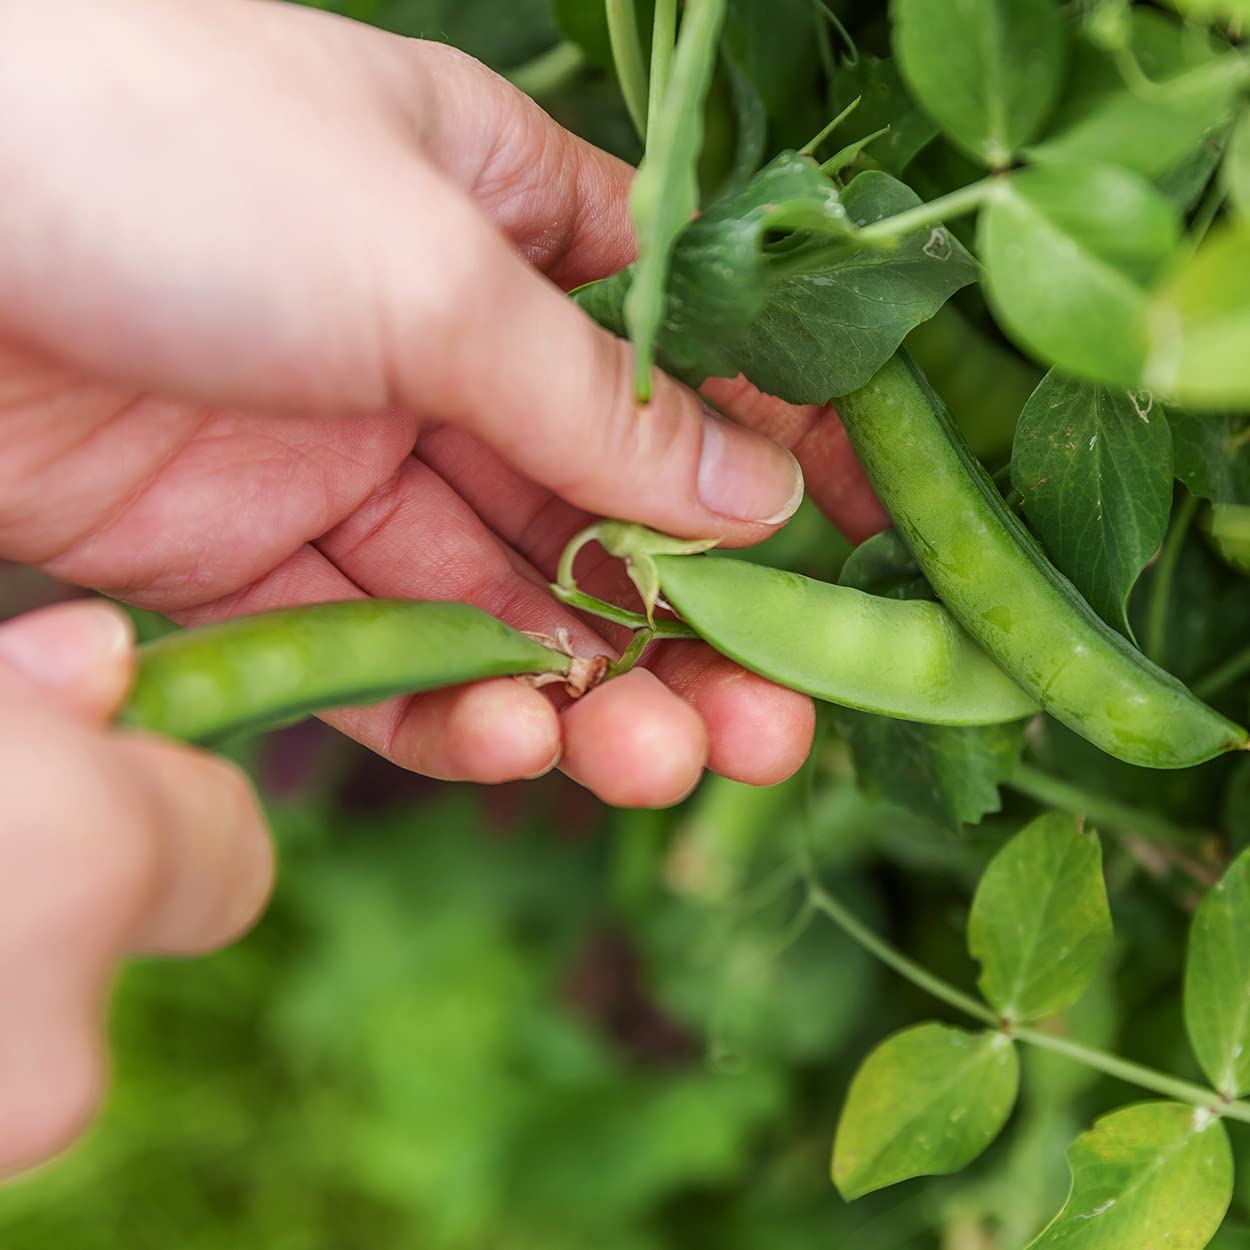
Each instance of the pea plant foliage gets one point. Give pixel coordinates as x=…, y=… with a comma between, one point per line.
x=1044, y=208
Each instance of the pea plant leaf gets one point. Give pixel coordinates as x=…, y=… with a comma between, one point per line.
x=808, y=335
x=771, y=42
x=1094, y=470
x=987, y=71
x=825, y=332
x=883, y=101
x=1212, y=454
x=1146, y=129
x=665, y=191
x=1151, y=1174
x=1040, y=926
x=1070, y=250
x=1199, y=326
x=1217, y=981
x=1215, y=10
x=926, y=1102
x=948, y=775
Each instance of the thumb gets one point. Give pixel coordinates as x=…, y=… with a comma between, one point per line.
x=81, y=654
x=516, y=362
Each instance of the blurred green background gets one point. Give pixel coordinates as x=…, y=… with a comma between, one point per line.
x=511, y=1019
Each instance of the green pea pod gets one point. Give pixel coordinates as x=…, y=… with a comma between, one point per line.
x=902, y=658
x=991, y=574
x=257, y=672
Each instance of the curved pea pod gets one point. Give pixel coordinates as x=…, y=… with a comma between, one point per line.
x=990, y=572
x=903, y=658
x=257, y=672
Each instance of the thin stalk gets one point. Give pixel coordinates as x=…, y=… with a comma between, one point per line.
x=1223, y=674
x=631, y=72
x=641, y=640
x=663, y=41
x=955, y=204
x=1156, y=635
x=549, y=71
x=809, y=148
x=1106, y=812
x=1134, y=1073
x=1112, y=1065
x=619, y=616
x=920, y=977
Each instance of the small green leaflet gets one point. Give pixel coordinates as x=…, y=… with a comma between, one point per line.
x=1153, y=1174
x=1199, y=326
x=883, y=101
x=1070, y=250
x=665, y=191
x=1212, y=454
x=945, y=774
x=987, y=71
x=1040, y=927
x=808, y=335
x=1237, y=167
x=1101, y=117
x=1217, y=981
x=1094, y=469
x=926, y=1102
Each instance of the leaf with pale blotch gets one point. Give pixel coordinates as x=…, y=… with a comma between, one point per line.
x=926, y=1102
x=1217, y=981
x=987, y=71
x=1157, y=1174
x=1040, y=926
x=1094, y=470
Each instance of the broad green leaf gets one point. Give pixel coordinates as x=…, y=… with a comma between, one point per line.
x=1150, y=130
x=826, y=332
x=947, y=775
x=665, y=191
x=1199, y=326
x=884, y=565
x=1094, y=470
x=804, y=336
x=1215, y=10
x=987, y=71
x=1212, y=454
x=1237, y=166
x=883, y=101
x=1156, y=1174
x=926, y=1102
x=1069, y=251
x=773, y=43
x=1040, y=927
x=1217, y=981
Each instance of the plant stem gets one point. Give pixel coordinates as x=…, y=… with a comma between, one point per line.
x=1107, y=812
x=631, y=73
x=1122, y=1069
x=891, y=229
x=641, y=640
x=549, y=71
x=1133, y=1073
x=663, y=39
x=1223, y=674
x=1160, y=592
x=619, y=616
x=824, y=902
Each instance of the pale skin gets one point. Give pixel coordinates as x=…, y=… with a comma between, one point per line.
x=281, y=321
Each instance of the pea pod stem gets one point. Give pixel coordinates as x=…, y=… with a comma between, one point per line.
x=583, y=602
x=1100, y=1060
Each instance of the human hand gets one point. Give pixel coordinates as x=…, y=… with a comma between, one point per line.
x=113, y=843
x=273, y=329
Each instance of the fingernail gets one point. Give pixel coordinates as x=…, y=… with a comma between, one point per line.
x=68, y=645
x=747, y=476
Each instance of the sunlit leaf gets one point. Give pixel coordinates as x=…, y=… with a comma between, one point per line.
x=1040, y=926
x=926, y=1102
x=987, y=71
x=1153, y=1174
